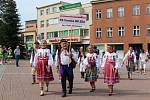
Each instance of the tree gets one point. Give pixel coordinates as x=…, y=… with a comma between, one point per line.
x=9, y=23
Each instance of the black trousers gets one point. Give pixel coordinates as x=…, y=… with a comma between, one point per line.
x=66, y=74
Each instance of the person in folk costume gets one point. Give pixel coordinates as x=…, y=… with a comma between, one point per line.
x=81, y=58
x=142, y=61
x=63, y=58
x=33, y=53
x=91, y=65
x=43, y=62
x=1, y=56
x=129, y=60
x=110, y=64
x=10, y=55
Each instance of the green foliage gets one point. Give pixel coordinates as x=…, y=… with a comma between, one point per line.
x=9, y=23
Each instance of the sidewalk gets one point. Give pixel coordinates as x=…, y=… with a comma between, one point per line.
x=16, y=85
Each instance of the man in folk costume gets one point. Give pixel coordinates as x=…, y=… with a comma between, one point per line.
x=91, y=66
x=63, y=58
x=43, y=62
x=129, y=60
x=33, y=53
x=110, y=64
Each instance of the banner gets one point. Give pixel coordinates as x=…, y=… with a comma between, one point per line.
x=73, y=20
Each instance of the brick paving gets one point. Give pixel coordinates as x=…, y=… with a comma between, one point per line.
x=15, y=84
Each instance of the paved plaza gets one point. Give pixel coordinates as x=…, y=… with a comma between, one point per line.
x=15, y=84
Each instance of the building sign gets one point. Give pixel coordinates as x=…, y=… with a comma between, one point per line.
x=57, y=40
x=70, y=6
x=73, y=20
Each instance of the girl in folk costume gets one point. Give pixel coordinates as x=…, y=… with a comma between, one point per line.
x=142, y=61
x=33, y=53
x=10, y=55
x=129, y=60
x=110, y=64
x=43, y=62
x=81, y=58
x=91, y=64
x=1, y=56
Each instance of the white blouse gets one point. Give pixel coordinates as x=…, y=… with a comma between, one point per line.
x=43, y=53
x=111, y=56
x=94, y=55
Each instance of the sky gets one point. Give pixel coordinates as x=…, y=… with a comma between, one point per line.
x=27, y=8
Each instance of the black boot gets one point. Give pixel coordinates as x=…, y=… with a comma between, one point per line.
x=70, y=86
x=63, y=83
x=64, y=94
x=128, y=75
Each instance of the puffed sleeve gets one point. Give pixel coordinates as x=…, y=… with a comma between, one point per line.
x=126, y=56
x=56, y=59
x=50, y=59
x=104, y=60
x=85, y=61
x=117, y=63
x=97, y=60
x=31, y=58
x=35, y=59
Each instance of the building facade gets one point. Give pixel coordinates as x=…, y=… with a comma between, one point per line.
x=30, y=33
x=121, y=23
x=50, y=29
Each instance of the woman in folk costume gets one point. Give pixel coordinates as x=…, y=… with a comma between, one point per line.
x=43, y=62
x=33, y=53
x=1, y=56
x=142, y=61
x=81, y=58
x=110, y=64
x=129, y=60
x=91, y=65
x=10, y=55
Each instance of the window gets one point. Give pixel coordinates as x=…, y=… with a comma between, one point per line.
x=87, y=17
x=47, y=23
x=148, y=29
x=120, y=11
x=41, y=12
x=148, y=8
x=29, y=38
x=42, y=23
x=109, y=32
x=98, y=14
x=98, y=32
x=109, y=13
x=55, y=21
x=47, y=11
x=54, y=9
x=86, y=32
x=136, y=10
x=121, y=31
x=42, y=35
x=136, y=31
x=55, y=34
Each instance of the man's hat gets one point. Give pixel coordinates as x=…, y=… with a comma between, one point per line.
x=36, y=42
x=63, y=41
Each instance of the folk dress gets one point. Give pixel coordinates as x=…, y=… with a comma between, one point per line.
x=43, y=62
x=91, y=63
x=110, y=64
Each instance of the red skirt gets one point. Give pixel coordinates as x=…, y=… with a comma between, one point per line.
x=111, y=75
x=44, y=73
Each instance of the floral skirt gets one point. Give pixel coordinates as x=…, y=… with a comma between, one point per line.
x=111, y=75
x=44, y=73
x=91, y=74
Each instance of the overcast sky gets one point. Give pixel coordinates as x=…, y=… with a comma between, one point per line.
x=27, y=8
